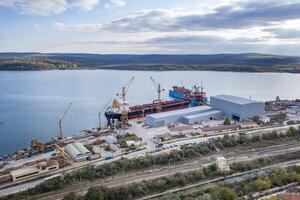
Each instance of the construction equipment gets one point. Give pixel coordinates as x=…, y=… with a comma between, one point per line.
x=124, y=113
x=39, y=147
x=63, y=158
x=61, y=135
x=159, y=91
x=100, y=113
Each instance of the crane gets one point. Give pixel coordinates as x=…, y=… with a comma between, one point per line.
x=61, y=135
x=159, y=91
x=124, y=113
x=101, y=111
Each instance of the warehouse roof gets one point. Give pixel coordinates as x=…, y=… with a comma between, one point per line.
x=235, y=99
x=72, y=151
x=181, y=111
x=212, y=112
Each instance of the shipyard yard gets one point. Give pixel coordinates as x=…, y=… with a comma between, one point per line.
x=160, y=128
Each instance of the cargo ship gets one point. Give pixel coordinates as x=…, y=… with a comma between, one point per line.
x=182, y=98
x=115, y=112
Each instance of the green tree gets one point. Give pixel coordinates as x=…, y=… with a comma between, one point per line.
x=256, y=119
x=70, y=196
x=227, y=121
x=225, y=193
x=95, y=193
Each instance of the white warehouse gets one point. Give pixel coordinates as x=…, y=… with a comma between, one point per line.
x=206, y=116
x=175, y=116
x=237, y=108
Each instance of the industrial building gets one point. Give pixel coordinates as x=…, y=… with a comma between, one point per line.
x=237, y=108
x=34, y=170
x=77, y=151
x=295, y=110
x=166, y=118
x=206, y=116
x=175, y=116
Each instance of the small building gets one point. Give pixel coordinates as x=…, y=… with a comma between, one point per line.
x=237, y=108
x=111, y=139
x=295, y=110
x=232, y=127
x=248, y=124
x=171, y=117
x=34, y=170
x=181, y=129
x=77, y=151
x=264, y=119
x=222, y=164
x=133, y=143
x=206, y=116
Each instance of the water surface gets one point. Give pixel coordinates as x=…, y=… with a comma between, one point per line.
x=31, y=102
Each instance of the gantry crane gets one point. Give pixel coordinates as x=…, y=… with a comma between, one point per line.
x=124, y=113
x=159, y=91
x=61, y=135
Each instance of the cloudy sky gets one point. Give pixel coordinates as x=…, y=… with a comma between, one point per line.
x=151, y=26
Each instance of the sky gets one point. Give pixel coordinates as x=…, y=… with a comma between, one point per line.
x=150, y=26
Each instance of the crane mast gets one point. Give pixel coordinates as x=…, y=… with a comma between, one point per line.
x=124, y=112
x=159, y=90
x=61, y=135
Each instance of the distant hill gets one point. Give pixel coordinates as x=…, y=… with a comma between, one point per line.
x=249, y=62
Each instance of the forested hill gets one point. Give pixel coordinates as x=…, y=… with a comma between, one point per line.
x=250, y=62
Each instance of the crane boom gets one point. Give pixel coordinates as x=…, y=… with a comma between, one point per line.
x=101, y=111
x=124, y=114
x=61, y=135
x=158, y=88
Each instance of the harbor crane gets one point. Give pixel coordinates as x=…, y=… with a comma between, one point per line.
x=159, y=91
x=61, y=135
x=124, y=113
x=101, y=111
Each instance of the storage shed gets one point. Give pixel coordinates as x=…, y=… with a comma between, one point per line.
x=166, y=118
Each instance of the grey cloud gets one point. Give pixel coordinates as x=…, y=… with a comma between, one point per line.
x=284, y=33
x=235, y=15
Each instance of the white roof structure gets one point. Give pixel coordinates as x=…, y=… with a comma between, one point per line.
x=235, y=99
x=83, y=150
x=195, y=109
x=208, y=113
x=72, y=151
x=110, y=139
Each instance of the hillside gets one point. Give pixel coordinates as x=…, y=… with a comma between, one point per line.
x=218, y=62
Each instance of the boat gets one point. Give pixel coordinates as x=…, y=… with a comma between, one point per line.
x=138, y=111
x=182, y=98
x=196, y=95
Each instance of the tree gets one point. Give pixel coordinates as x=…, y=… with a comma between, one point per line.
x=70, y=196
x=95, y=193
x=256, y=119
x=225, y=193
x=227, y=121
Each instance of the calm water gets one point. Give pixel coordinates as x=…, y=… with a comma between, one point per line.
x=31, y=102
